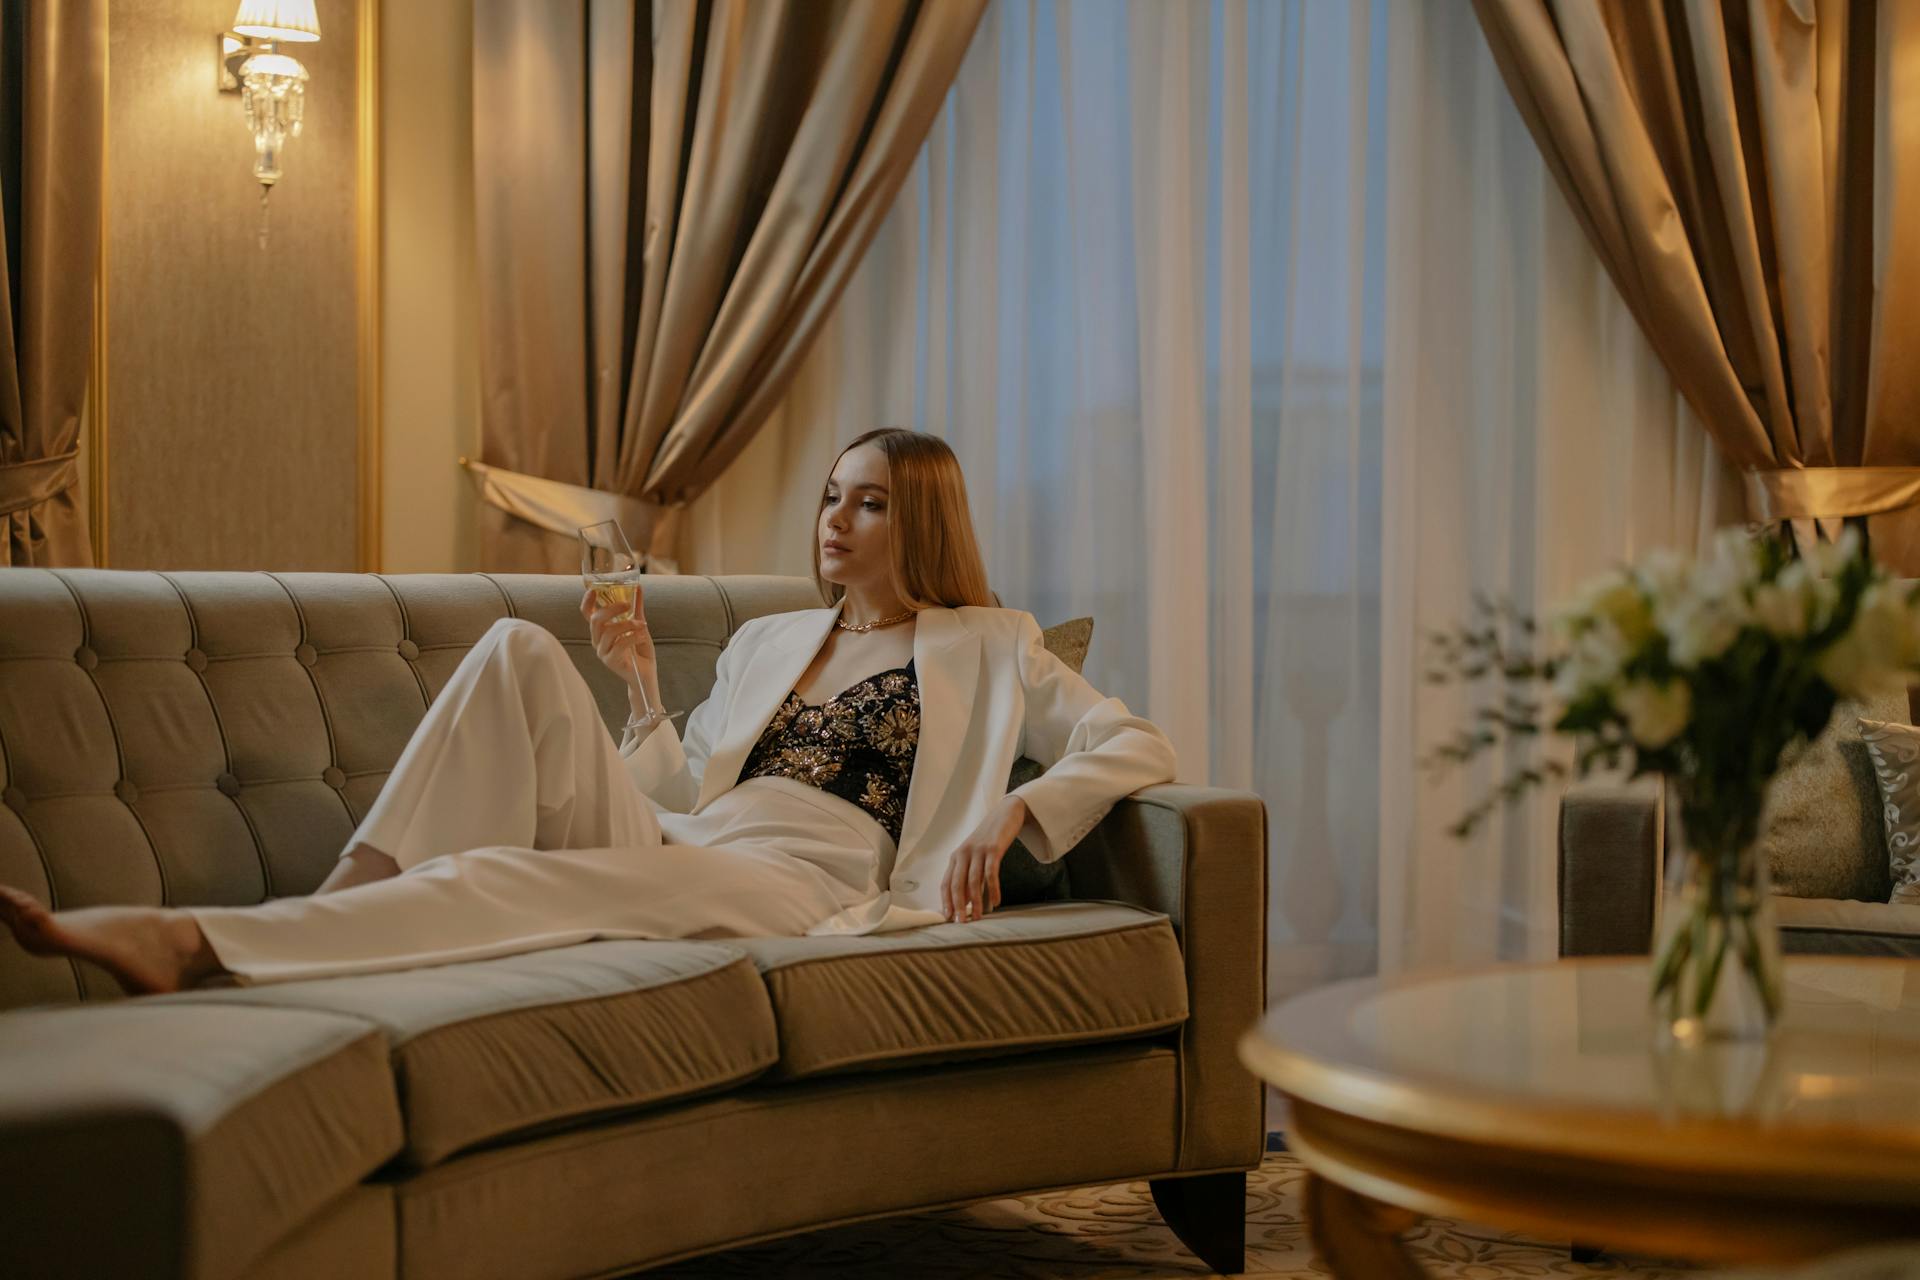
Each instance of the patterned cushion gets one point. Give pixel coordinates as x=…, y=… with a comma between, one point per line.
x=1824, y=837
x=1068, y=641
x=1023, y=877
x=1895, y=750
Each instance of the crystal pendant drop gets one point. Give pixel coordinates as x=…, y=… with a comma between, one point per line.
x=273, y=89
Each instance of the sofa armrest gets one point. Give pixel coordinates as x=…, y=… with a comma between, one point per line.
x=178, y=1140
x=1609, y=870
x=1198, y=855
x=92, y=1191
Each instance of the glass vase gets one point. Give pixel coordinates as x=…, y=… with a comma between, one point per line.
x=1716, y=962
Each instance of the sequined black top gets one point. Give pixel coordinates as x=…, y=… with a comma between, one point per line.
x=858, y=745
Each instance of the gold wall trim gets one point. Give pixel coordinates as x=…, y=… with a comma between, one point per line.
x=97, y=368
x=368, y=285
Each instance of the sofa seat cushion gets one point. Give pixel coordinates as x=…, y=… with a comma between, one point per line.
x=1843, y=927
x=141, y=1139
x=500, y=1047
x=1032, y=977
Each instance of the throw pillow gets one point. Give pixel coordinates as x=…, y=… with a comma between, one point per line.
x=1068, y=641
x=1895, y=750
x=1023, y=877
x=1824, y=836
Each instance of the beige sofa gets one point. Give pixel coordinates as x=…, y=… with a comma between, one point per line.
x=1611, y=858
x=212, y=738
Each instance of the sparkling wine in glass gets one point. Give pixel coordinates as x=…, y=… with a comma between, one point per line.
x=612, y=572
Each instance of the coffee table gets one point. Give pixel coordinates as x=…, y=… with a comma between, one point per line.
x=1535, y=1098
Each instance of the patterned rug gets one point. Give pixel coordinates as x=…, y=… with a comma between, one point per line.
x=1114, y=1233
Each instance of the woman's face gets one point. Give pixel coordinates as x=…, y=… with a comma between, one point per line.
x=853, y=530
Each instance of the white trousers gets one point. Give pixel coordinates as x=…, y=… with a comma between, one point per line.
x=517, y=828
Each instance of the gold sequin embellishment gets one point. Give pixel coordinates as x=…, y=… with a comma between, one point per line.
x=858, y=745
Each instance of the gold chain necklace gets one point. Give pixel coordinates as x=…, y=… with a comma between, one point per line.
x=844, y=625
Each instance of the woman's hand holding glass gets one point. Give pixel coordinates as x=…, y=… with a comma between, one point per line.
x=612, y=608
x=622, y=641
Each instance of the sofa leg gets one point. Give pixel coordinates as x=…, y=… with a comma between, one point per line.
x=1209, y=1214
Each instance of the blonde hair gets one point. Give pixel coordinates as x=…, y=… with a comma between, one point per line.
x=935, y=556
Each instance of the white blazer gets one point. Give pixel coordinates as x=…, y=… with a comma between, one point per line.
x=990, y=692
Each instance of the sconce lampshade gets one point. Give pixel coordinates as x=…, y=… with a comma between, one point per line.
x=287, y=20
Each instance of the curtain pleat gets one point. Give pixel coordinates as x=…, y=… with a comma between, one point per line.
x=52, y=138
x=671, y=197
x=1723, y=157
x=530, y=123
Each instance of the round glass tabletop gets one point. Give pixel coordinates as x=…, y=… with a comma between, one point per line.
x=1565, y=1055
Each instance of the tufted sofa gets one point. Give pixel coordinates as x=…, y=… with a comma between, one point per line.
x=212, y=738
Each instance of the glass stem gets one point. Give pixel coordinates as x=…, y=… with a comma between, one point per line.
x=640, y=686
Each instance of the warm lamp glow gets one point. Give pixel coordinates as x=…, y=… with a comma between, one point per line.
x=273, y=86
x=288, y=20
x=272, y=64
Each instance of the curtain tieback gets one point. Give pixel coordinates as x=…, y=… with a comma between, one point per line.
x=565, y=509
x=28, y=484
x=1822, y=493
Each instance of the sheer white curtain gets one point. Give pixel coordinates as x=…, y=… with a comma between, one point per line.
x=1264, y=339
x=1532, y=439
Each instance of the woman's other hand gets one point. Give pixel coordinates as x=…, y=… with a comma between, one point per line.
x=972, y=884
x=621, y=642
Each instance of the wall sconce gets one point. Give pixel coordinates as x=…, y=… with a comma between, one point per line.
x=272, y=85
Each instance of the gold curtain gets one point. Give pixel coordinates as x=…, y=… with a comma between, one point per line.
x=670, y=199
x=53, y=61
x=1724, y=159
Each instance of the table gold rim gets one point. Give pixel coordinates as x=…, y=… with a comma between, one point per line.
x=1631, y=1136
x=1680, y=1215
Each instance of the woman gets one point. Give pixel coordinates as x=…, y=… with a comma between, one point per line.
x=847, y=774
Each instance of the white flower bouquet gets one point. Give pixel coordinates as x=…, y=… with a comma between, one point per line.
x=1711, y=673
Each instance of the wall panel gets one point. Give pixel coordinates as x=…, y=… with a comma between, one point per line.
x=232, y=368
x=430, y=328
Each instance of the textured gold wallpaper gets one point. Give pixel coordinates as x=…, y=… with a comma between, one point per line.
x=429, y=306
x=231, y=370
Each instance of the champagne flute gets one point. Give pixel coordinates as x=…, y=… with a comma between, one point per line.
x=612, y=572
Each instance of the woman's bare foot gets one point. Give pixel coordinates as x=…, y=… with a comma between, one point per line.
x=146, y=949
